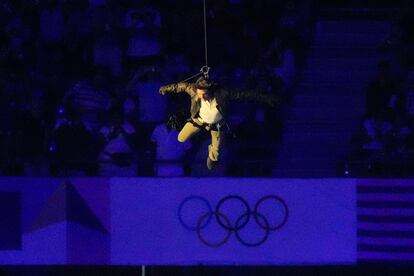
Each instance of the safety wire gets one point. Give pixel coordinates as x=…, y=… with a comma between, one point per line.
x=193, y=76
x=205, y=69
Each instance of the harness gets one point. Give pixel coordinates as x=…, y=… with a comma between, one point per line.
x=206, y=126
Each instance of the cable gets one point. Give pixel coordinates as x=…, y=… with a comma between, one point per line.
x=193, y=76
x=205, y=69
x=205, y=34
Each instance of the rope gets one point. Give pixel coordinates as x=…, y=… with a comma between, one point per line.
x=192, y=77
x=205, y=34
x=205, y=69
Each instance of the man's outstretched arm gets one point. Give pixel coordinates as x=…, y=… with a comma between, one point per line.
x=253, y=96
x=176, y=88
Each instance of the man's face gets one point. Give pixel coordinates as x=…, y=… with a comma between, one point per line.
x=202, y=94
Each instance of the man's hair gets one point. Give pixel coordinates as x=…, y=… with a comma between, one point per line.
x=203, y=83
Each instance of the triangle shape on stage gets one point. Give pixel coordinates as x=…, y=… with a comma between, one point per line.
x=66, y=204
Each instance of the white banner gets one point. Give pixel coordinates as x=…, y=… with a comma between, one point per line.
x=222, y=221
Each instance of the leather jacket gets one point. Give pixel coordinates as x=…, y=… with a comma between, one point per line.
x=222, y=96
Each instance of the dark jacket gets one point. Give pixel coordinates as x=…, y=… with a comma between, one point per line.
x=222, y=96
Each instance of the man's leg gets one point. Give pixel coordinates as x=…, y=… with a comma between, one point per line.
x=213, y=149
x=188, y=130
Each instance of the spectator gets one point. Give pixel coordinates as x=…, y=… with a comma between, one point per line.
x=145, y=86
x=295, y=28
x=381, y=93
x=403, y=137
x=107, y=51
x=51, y=23
x=377, y=129
x=73, y=147
x=143, y=25
x=91, y=98
x=118, y=157
x=283, y=62
x=79, y=34
x=169, y=152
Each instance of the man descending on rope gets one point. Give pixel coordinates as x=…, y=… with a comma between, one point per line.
x=208, y=110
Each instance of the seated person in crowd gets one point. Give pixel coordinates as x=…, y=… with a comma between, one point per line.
x=118, y=156
x=382, y=91
x=91, y=98
x=74, y=148
x=169, y=151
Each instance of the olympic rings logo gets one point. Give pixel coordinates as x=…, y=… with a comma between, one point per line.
x=236, y=225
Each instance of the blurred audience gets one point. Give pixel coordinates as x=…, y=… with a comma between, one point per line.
x=66, y=64
x=385, y=144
